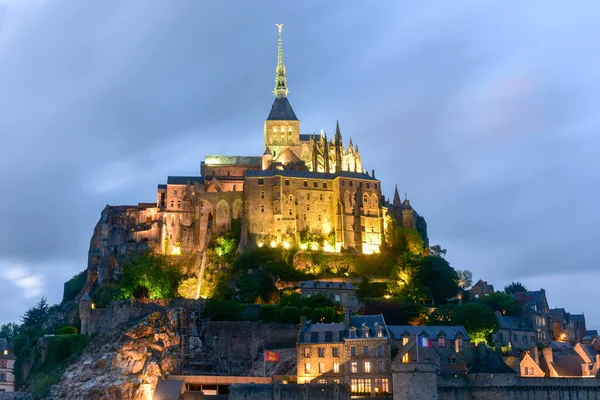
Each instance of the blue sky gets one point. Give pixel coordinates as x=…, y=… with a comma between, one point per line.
x=484, y=112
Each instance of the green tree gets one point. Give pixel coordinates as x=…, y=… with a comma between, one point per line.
x=465, y=278
x=405, y=278
x=438, y=279
x=188, y=288
x=502, y=302
x=254, y=287
x=36, y=313
x=437, y=251
x=9, y=331
x=514, y=287
x=323, y=315
x=289, y=315
x=268, y=312
x=293, y=299
x=149, y=275
x=74, y=285
x=442, y=315
x=479, y=320
x=407, y=240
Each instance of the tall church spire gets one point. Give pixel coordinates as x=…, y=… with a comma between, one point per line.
x=281, y=89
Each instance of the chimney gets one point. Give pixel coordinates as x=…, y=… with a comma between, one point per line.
x=347, y=318
x=547, y=354
x=373, y=174
x=303, y=323
x=535, y=353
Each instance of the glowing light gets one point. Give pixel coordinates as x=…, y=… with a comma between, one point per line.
x=387, y=296
x=303, y=246
x=328, y=248
x=175, y=250
x=286, y=245
x=314, y=246
x=93, y=306
x=260, y=244
x=273, y=244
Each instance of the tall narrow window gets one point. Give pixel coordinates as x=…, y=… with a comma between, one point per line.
x=354, y=367
x=262, y=195
x=262, y=209
x=366, y=351
x=321, y=368
x=367, y=367
x=307, y=352
x=307, y=368
x=336, y=368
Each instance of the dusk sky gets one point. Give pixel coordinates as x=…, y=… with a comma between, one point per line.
x=485, y=113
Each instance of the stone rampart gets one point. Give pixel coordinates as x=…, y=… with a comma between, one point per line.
x=104, y=321
x=289, y=392
x=511, y=386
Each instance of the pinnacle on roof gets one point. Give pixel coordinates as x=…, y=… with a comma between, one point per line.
x=281, y=89
x=281, y=110
x=397, y=202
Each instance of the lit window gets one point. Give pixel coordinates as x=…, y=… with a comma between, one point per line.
x=321, y=368
x=336, y=368
x=365, y=332
x=354, y=367
x=382, y=385
x=307, y=352
x=405, y=341
x=337, y=296
x=367, y=367
x=406, y=358
x=441, y=342
x=379, y=331
x=307, y=368
x=322, y=381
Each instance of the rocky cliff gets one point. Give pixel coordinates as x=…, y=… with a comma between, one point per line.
x=127, y=364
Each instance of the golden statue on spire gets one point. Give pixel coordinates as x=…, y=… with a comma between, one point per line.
x=281, y=89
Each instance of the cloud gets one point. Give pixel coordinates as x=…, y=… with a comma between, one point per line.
x=32, y=285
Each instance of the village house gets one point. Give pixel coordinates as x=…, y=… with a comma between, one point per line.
x=515, y=333
x=7, y=365
x=536, y=313
x=481, y=288
x=356, y=352
x=343, y=293
x=447, y=346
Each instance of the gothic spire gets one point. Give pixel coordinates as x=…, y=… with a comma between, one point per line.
x=338, y=133
x=281, y=89
x=397, y=202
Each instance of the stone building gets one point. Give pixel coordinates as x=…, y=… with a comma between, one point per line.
x=449, y=347
x=536, y=313
x=344, y=293
x=357, y=352
x=7, y=365
x=303, y=185
x=514, y=332
x=481, y=288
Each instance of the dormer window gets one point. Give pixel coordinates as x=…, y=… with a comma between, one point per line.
x=365, y=331
x=321, y=337
x=336, y=336
x=441, y=341
x=379, y=331
x=353, y=333
x=307, y=337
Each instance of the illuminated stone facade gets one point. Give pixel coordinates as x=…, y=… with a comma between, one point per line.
x=302, y=185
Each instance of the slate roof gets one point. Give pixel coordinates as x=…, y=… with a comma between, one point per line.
x=162, y=186
x=232, y=160
x=591, y=333
x=307, y=174
x=490, y=364
x=306, y=137
x=168, y=390
x=357, y=321
x=589, y=350
x=515, y=323
x=281, y=110
x=568, y=364
x=450, y=332
x=183, y=180
x=327, y=285
x=578, y=317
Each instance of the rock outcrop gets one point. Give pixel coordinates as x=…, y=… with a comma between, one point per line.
x=126, y=365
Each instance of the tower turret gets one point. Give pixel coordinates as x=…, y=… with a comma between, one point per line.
x=337, y=142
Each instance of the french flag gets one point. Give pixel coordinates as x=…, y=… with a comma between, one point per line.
x=423, y=342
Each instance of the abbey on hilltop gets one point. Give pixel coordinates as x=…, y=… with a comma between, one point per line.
x=302, y=183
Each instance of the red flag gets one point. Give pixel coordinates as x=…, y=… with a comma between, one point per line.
x=272, y=356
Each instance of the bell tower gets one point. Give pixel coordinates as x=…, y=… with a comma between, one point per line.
x=282, y=127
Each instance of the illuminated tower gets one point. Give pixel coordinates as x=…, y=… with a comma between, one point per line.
x=282, y=128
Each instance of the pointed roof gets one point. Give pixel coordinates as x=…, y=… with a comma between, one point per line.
x=267, y=152
x=281, y=110
x=86, y=297
x=397, y=202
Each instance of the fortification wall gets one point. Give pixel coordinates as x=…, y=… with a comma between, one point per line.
x=104, y=321
x=509, y=386
x=289, y=392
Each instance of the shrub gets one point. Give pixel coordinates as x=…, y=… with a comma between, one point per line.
x=67, y=330
x=104, y=294
x=268, y=312
x=223, y=310
x=289, y=315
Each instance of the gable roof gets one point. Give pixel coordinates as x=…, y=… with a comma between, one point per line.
x=372, y=322
x=450, y=332
x=513, y=323
x=281, y=110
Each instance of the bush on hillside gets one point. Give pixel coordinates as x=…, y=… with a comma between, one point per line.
x=67, y=330
x=74, y=285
